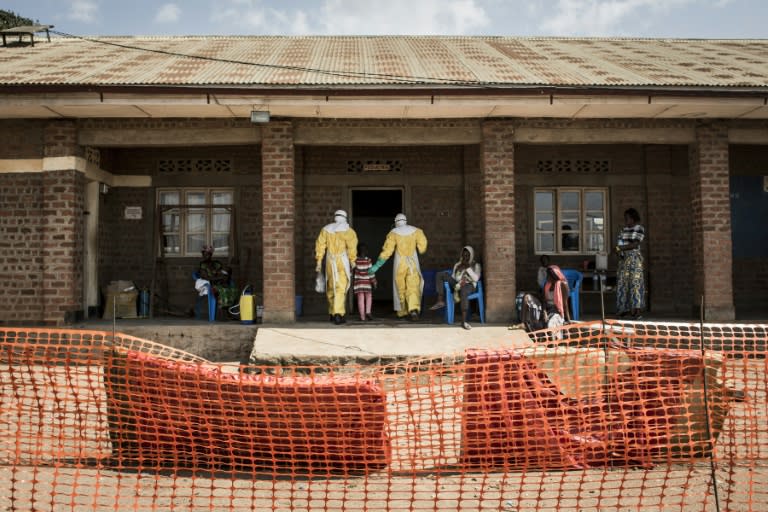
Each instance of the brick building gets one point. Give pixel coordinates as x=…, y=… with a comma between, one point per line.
x=121, y=157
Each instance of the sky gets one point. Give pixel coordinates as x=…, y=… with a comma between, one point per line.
x=579, y=18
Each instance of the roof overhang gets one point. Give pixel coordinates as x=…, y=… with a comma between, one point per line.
x=372, y=103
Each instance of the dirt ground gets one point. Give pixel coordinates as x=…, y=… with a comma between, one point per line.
x=54, y=456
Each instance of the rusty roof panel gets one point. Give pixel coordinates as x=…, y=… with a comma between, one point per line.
x=384, y=61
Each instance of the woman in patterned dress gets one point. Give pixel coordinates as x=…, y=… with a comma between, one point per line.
x=630, y=281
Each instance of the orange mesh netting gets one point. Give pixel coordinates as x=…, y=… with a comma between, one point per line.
x=592, y=416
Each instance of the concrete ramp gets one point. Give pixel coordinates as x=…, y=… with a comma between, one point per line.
x=320, y=343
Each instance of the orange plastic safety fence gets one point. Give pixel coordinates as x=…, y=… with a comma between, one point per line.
x=592, y=416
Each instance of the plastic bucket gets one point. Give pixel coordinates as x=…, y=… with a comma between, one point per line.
x=299, y=305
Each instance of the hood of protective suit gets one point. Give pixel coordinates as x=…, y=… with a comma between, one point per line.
x=400, y=220
x=339, y=222
x=339, y=216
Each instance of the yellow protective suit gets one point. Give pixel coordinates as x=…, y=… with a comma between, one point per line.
x=337, y=243
x=404, y=242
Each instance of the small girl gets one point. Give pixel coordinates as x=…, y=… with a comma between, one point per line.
x=364, y=283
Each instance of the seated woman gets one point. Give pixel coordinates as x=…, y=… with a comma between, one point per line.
x=463, y=280
x=551, y=309
x=220, y=278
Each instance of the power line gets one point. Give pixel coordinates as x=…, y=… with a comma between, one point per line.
x=416, y=80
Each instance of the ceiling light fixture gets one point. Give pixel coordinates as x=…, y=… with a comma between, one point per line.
x=259, y=116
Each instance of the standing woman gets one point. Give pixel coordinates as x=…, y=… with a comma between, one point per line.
x=630, y=282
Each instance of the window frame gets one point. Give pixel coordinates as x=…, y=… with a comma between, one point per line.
x=183, y=212
x=558, y=215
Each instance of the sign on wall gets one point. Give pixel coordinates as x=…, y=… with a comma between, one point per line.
x=377, y=167
x=132, y=213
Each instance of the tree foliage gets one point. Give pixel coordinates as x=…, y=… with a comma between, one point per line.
x=9, y=19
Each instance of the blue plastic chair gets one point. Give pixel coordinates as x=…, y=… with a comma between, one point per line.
x=450, y=305
x=574, y=278
x=212, y=303
x=429, y=283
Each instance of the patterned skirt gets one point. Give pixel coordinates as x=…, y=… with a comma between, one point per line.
x=630, y=284
x=227, y=295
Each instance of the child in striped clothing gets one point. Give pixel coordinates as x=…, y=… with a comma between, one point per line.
x=364, y=283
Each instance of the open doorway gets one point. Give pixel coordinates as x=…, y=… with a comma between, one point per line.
x=373, y=215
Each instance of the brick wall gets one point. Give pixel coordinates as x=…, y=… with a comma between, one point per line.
x=712, y=255
x=247, y=267
x=436, y=177
x=62, y=247
x=126, y=246
x=21, y=139
x=624, y=182
x=473, y=195
x=60, y=139
x=22, y=229
x=668, y=247
x=278, y=195
x=652, y=179
x=497, y=170
x=440, y=212
x=41, y=229
x=304, y=273
x=438, y=206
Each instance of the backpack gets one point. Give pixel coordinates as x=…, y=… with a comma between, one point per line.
x=532, y=313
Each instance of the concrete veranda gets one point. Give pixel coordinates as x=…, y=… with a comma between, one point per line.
x=313, y=340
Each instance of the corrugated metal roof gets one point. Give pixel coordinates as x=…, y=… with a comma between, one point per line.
x=384, y=61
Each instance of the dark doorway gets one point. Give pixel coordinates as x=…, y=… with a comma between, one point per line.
x=749, y=209
x=373, y=216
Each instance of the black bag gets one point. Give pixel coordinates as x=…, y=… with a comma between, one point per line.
x=532, y=313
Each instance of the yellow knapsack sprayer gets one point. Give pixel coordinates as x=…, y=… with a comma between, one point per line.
x=246, y=307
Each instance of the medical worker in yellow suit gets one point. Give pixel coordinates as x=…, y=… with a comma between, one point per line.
x=337, y=243
x=406, y=242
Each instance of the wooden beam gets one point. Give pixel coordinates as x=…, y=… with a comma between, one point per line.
x=748, y=136
x=526, y=135
x=175, y=137
x=14, y=165
x=386, y=136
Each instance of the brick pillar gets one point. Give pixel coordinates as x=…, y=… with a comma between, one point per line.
x=63, y=200
x=711, y=227
x=278, y=201
x=497, y=171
